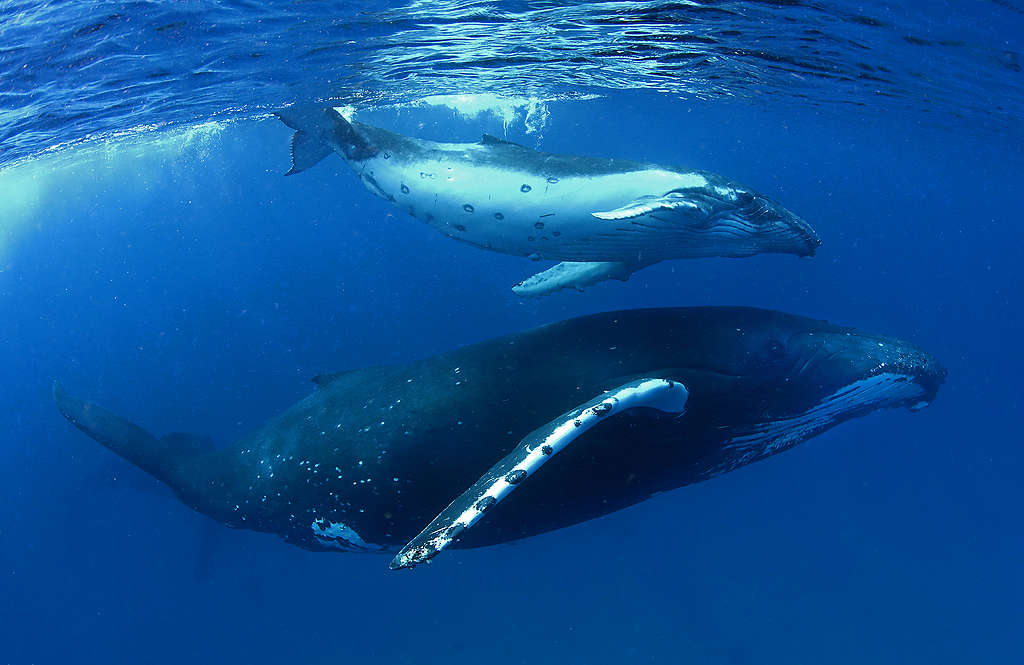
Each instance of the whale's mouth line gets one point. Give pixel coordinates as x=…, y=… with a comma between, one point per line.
x=782, y=235
x=756, y=441
x=810, y=237
x=762, y=222
x=878, y=391
x=763, y=212
x=785, y=232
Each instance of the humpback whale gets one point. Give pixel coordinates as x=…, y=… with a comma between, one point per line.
x=529, y=432
x=600, y=218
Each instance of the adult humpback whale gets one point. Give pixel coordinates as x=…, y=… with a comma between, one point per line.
x=373, y=455
x=603, y=218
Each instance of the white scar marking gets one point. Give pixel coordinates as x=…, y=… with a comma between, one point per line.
x=341, y=536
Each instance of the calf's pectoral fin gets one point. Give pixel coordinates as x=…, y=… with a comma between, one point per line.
x=647, y=205
x=531, y=453
x=575, y=275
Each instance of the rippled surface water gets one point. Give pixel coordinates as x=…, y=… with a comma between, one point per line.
x=72, y=70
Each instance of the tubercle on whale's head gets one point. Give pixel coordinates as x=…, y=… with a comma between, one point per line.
x=788, y=366
x=859, y=371
x=793, y=378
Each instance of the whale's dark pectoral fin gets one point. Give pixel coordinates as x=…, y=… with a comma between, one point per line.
x=531, y=453
x=647, y=205
x=575, y=275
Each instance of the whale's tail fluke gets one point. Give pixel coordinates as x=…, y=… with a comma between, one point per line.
x=320, y=131
x=163, y=458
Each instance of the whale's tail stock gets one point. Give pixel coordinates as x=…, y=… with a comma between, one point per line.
x=167, y=459
x=320, y=131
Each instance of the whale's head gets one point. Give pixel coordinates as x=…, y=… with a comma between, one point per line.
x=772, y=380
x=847, y=372
x=705, y=215
x=737, y=221
x=754, y=219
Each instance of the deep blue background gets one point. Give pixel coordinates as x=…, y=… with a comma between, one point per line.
x=186, y=284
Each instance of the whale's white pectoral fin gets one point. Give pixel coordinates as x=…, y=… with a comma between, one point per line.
x=531, y=453
x=575, y=275
x=647, y=205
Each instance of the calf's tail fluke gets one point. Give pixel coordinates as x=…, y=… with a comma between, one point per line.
x=319, y=131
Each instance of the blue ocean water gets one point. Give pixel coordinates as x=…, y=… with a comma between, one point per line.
x=154, y=259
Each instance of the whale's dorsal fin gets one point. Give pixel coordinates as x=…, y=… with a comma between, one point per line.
x=531, y=453
x=323, y=380
x=326, y=379
x=490, y=139
x=351, y=375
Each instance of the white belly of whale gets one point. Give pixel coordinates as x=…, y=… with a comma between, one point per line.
x=522, y=213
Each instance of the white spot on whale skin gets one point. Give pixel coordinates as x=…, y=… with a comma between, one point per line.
x=341, y=536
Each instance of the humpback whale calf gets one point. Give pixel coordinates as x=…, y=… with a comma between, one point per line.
x=602, y=218
x=529, y=432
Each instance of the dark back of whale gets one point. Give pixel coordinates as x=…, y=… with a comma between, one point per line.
x=385, y=449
